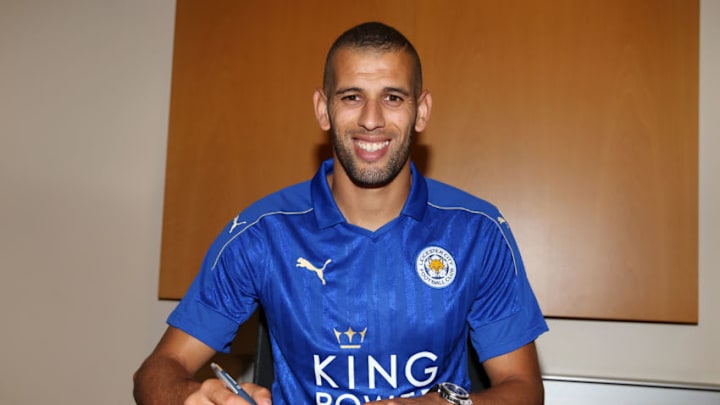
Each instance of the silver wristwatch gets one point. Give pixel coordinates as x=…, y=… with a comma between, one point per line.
x=453, y=393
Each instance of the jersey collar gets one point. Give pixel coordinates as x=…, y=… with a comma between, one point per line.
x=328, y=214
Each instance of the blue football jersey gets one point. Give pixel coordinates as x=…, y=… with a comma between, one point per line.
x=356, y=316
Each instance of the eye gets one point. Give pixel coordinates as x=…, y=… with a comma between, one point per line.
x=394, y=99
x=351, y=98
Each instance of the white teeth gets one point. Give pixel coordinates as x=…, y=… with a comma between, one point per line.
x=372, y=146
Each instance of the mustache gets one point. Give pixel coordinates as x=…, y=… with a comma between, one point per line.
x=375, y=132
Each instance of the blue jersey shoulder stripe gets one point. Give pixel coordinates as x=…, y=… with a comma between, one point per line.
x=248, y=226
x=496, y=221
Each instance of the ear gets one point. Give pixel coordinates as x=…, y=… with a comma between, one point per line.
x=424, y=107
x=321, y=110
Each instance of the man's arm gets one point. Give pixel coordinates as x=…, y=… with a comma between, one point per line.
x=515, y=378
x=166, y=376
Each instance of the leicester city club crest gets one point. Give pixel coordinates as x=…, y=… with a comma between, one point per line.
x=436, y=267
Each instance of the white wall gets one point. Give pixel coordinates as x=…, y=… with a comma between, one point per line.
x=593, y=393
x=84, y=92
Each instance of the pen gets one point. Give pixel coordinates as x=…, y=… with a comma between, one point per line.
x=230, y=383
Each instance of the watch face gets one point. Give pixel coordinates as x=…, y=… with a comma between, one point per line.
x=455, y=389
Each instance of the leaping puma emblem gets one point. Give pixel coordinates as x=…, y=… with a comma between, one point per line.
x=235, y=224
x=304, y=263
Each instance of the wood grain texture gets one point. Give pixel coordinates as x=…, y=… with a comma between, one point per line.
x=578, y=119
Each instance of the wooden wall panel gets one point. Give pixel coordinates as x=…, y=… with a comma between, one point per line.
x=578, y=119
x=241, y=118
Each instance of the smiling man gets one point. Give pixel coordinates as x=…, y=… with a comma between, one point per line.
x=371, y=105
x=372, y=109
x=403, y=269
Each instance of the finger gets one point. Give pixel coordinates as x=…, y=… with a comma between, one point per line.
x=260, y=394
x=202, y=395
x=215, y=392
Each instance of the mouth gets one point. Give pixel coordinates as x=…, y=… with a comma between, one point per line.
x=371, y=146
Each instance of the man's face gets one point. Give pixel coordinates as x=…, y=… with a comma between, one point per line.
x=371, y=113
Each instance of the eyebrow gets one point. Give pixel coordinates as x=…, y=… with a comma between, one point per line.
x=346, y=90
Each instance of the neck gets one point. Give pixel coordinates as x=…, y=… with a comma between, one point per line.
x=370, y=208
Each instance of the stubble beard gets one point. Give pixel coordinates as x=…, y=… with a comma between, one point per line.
x=375, y=176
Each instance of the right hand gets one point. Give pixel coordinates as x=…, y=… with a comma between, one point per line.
x=212, y=391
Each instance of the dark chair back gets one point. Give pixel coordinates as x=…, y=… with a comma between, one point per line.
x=263, y=373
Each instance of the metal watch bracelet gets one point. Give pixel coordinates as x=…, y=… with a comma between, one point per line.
x=453, y=393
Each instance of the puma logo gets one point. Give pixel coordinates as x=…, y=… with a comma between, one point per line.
x=235, y=223
x=304, y=263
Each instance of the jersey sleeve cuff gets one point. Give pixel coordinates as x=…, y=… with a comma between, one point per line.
x=502, y=337
x=204, y=324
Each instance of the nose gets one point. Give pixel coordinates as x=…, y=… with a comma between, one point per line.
x=371, y=116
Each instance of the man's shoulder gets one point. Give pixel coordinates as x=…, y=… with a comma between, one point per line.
x=445, y=196
x=288, y=198
x=294, y=199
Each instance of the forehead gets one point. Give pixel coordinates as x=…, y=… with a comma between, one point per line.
x=352, y=65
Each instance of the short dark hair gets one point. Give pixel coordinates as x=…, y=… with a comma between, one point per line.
x=373, y=36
